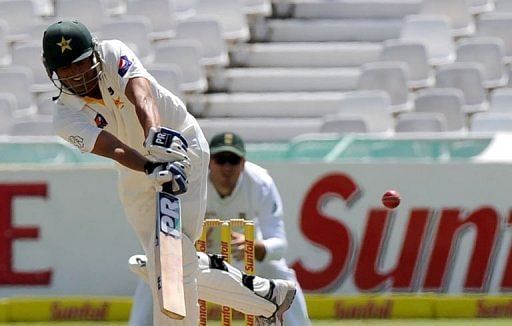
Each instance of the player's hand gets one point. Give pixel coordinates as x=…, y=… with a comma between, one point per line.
x=237, y=245
x=171, y=177
x=166, y=145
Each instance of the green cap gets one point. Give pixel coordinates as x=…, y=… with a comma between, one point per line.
x=227, y=142
x=66, y=42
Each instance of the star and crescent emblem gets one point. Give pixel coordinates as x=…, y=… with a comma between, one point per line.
x=64, y=45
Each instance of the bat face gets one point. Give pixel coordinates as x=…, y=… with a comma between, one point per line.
x=168, y=256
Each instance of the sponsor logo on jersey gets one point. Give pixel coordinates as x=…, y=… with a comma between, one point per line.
x=124, y=65
x=100, y=121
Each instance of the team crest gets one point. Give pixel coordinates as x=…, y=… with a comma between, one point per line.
x=124, y=65
x=65, y=45
x=100, y=121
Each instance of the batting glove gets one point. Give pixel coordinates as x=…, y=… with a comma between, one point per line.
x=170, y=177
x=166, y=145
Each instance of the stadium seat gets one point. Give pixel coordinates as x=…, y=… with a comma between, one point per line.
x=33, y=126
x=420, y=122
x=230, y=15
x=262, y=129
x=45, y=104
x=497, y=25
x=186, y=54
x=434, y=32
x=330, y=30
x=185, y=9
x=414, y=55
x=490, y=122
x=373, y=106
x=256, y=7
x=29, y=55
x=20, y=15
x=501, y=100
x=488, y=51
x=503, y=6
x=468, y=77
x=207, y=31
x=366, y=9
x=92, y=13
x=285, y=79
x=391, y=77
x=310, y=54
x=18, y=81
x=115, y=7
x=44, y=8
x=343, y=124
x=480, y=6
x=7, y=106
x=447, y=101
x=275, y=104
x=134, y=31
x=161, y=13
x=5, y=55
x=457, y=11
x=169, y=76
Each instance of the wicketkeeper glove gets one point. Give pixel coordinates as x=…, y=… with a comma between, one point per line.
x=170, y=177
x=166, y=145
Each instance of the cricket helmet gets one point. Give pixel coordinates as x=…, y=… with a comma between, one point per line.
x=67, y=42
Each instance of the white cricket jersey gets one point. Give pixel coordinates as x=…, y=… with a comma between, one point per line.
x=256, y=198
x=79, y=120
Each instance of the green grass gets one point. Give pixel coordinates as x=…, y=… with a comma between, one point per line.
x=371, y=322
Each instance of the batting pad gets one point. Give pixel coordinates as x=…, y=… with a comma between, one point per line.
x=225, y=287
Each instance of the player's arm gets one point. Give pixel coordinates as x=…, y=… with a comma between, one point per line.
x=139, y=92
x=270, y=215
x=107, y=145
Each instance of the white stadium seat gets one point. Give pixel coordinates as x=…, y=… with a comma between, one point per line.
x=275, y=104
x=391, y=77
x=230, y=15
x=256, y=7
x=434, y=32
x=7, y=107
x=207, y=31
x=503, y=5
x=415, y=55
x=285, y=79
x=263, y=129
x=373, y=106
x=18, y=81
x=29, y=55
x=310, y=54
x=92, y=13
x=33, y=126
x=5, y=55
x=420, y=122
x=497, y=25
x=457, y=11
x=343, y=124
x=490, y=122
x=20, y=15
x=186, y=54
x=468, y=77
x=161, y=13
x=447, y=101
x=501, y=100
x=134, y=31
x=488, y=51
x=169, y=76
x=480, y=6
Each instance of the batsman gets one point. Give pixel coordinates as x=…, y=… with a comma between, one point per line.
x=109, y=105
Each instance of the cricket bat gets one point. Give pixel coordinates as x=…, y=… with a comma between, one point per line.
x=168, y=256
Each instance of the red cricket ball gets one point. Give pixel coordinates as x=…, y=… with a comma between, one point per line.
x=391, y=199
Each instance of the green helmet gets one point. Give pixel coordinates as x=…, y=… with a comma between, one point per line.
x=66, y=42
